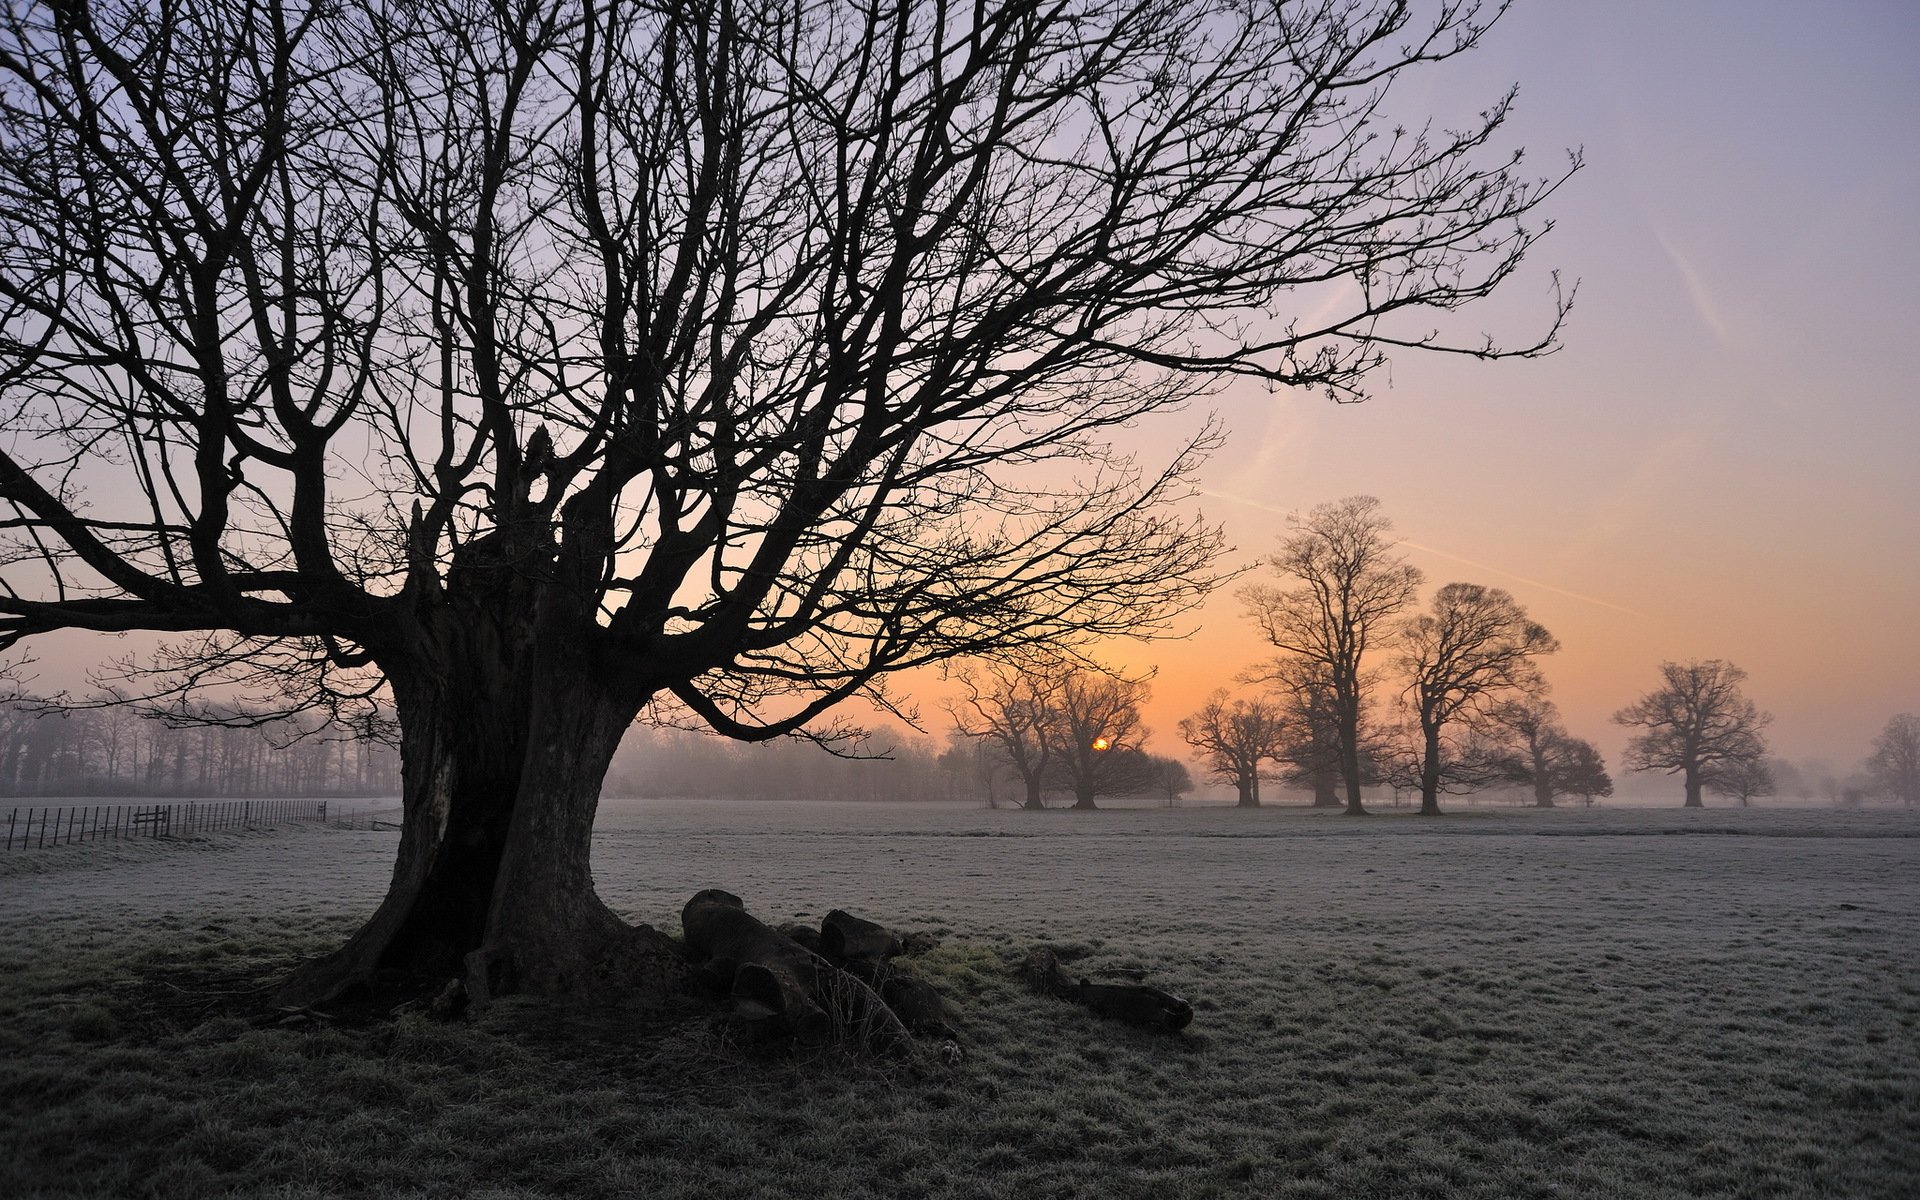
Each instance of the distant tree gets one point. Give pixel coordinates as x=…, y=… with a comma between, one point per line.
x=1697, y=721
x=1310, y=742
x=1172, y=777
x=1236, y=738
x=1543, y=756
x=1581, y=771
x=1472, y=649
x=1096, y=738
x=1894, y=765
x=1351, y=585
x=976, y=766
x=1532, y=724
x=1744, y=779
x=1010, y=706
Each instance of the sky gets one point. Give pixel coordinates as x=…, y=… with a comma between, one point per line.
x=1724, y=459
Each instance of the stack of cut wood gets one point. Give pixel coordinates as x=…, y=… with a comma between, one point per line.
x=838, y=982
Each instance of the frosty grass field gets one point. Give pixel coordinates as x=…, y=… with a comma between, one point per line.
x=1498, y=1003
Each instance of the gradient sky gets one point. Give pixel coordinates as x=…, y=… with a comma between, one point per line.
x=1724, y=461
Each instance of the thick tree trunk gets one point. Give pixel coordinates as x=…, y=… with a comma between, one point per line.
x=1325, y=793
x=1084, y=800
x=502, y=766
x=1033, y=802
x=1248, y=797
x=1430, y=775
x=1693, y=789
x=1542, y=779
x=1350, y=753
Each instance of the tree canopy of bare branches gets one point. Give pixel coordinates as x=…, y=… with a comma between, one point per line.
x=1895, y=761
x=1351, y=586
x=1099, y=741
x=1010, y=709
x=522, y=365
x=1473, y=648
x=1237, y=737
x=1697, y=722
x=1540, y=754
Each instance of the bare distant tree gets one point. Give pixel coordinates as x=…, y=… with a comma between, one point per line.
x=1173, y=778
x=1474, y=648
x=976, y=765
x=1545, y=757
x=1698, y=721
x=1895, y=762
x=1532, y=724
x=1580, y=771
x=1097, y=738
x=1010, y=707
x=1351, y=585
x=1310, y=747
x=1744, y=779
x=519, y=367
x=1236, y=737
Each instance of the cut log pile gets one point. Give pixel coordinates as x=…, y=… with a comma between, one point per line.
x=842, y=983
x=814, y=986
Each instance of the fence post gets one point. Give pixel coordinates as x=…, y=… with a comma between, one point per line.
x=11, y=818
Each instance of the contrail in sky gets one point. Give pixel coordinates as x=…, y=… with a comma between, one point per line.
x=1478, y=566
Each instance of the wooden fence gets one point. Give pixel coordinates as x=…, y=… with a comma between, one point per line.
x=36, y=827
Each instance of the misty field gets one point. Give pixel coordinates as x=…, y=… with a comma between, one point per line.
x=1497, y=1003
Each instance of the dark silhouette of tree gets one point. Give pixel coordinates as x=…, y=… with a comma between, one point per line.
x=1352, y=584
x=1744, y=779
x=1310, y=746
x=976, y=766
x=1172, y=778
x=522, y=367
x=1581, y=771
x=1097, y=738
x=1236, y=737
x=1531, y=723
x=1474, y=648
x=1894, y=764
x=1543, y=756
x=1010, y=707
x=1695, y=723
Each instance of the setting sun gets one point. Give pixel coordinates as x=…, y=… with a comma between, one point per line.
x=1101, y=743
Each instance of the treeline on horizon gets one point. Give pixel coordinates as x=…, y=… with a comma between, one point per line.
x=116, y=750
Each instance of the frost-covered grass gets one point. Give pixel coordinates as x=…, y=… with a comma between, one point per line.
x=1500, y=1003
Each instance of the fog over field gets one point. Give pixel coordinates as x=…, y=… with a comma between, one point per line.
x=1512, y=1003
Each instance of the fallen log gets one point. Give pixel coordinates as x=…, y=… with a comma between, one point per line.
x=1135, y=1003
x=778, y=986
x=845, y=937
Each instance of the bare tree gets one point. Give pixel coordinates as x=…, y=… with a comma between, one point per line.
x=1010, y=707
x=1097, y=738
x=1172, y=778
x=1237, y=737
x=1532, y=725
x=1894, y=764
x=1473, y=649
x=520, y=368
x=1581, y=771
x=1352, y=584
x=1545, y=757
x=1695, y=723
x=1744, y=779
x=1310, y=746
